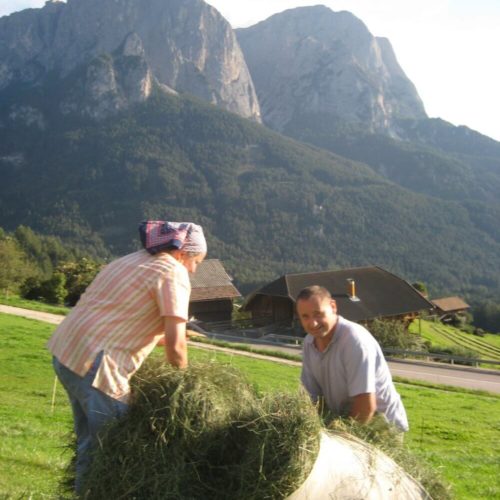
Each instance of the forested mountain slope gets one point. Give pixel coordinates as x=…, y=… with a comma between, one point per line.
x=269, y=205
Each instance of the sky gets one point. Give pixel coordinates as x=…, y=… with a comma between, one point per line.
x=447, y=48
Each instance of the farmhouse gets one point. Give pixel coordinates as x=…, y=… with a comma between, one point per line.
x=447, y=308
x=212, y=292
x=362, y=294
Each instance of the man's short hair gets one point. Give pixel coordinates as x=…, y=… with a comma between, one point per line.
x=314, y=291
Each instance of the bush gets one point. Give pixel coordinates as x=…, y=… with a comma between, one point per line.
x=78, y=276
x=31, y=289
x=392, y=334
x=479, y=332
x=52, y=291
x=460, y=352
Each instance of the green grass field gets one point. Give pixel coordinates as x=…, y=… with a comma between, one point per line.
x=455, y=431
x=487, y=347
x=16, y=301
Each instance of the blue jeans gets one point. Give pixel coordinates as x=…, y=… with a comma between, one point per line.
x=91, y=410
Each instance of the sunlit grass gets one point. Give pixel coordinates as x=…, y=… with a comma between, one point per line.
x=456, y=431
x=16, y=301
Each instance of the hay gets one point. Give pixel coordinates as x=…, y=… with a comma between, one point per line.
x=203, y=433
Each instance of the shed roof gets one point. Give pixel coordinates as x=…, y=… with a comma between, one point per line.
x=211, y=282
x=450, y=304
x=380, y=293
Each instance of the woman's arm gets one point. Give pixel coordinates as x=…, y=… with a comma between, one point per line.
x=175, y=341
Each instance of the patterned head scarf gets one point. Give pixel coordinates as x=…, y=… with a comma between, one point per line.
x=158, y=236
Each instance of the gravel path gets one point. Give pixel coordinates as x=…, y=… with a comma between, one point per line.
x=28, y=313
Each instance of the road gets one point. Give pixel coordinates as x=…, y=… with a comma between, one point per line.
x=469, y=378
x=459, y=376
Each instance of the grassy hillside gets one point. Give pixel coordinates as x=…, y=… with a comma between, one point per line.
x=270, y=205
x=460, y=443
x=440, y=335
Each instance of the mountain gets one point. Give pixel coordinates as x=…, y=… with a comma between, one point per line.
x=107, y=117
x=121, y=46
x=311, y=60
x=269, y=205
x=323, y=79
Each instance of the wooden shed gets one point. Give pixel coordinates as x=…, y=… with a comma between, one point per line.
x=362, y=294
x=212, y=292
x=448, y=307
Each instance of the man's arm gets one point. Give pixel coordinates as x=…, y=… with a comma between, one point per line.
x=307, y=378
x=363, y=407
x=175, y=341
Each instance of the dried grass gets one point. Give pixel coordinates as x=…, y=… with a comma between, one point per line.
x=203, y=433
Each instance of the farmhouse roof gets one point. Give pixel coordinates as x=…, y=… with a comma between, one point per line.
x=378, y=293
x=450, y=304
x=211, y=282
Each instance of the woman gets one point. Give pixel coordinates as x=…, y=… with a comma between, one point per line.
x=132, y=304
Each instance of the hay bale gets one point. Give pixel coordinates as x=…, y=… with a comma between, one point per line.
x=203, y=433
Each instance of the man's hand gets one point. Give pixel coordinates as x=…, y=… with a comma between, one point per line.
x=175, y=341
x=363, y=407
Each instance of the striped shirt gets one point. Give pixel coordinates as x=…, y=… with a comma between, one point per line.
x=121, y=313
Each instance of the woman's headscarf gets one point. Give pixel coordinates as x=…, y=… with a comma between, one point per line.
x=158, y=236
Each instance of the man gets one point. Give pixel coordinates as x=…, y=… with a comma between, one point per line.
x=133, y=303
x=343, y=363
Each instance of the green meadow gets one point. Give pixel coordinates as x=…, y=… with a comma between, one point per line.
x=455, y=431
x=439, y=335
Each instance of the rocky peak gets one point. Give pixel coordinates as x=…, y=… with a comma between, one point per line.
x=313, y=60
x=185, y=44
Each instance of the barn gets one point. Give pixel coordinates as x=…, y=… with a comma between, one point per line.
x=212, y=292
x=362, y=294
x=448, y=308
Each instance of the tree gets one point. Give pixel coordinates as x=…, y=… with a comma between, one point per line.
x=54, y=289
x=487, y=317
x=78, y=277
x=421, y=287
x=14, y=265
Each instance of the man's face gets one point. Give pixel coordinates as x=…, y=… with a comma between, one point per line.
x=318, y=316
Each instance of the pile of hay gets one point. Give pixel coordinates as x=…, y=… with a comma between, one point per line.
x=203, y=433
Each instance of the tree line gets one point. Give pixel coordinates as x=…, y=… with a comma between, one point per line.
x=44, y=268
x=39, y=267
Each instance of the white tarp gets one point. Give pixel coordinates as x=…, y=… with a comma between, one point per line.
x=349, y=469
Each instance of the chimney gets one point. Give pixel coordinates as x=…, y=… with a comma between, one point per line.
x=351, y=290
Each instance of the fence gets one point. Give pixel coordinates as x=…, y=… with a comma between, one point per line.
x=431, y=356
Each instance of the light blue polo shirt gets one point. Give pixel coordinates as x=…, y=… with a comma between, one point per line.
x=352, y=364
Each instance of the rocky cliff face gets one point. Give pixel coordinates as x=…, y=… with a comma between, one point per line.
x=126, y=45
x=313, y=60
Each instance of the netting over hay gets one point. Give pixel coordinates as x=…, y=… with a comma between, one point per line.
x=203, y=433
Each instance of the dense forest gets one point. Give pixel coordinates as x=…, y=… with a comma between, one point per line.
x=269, y=205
